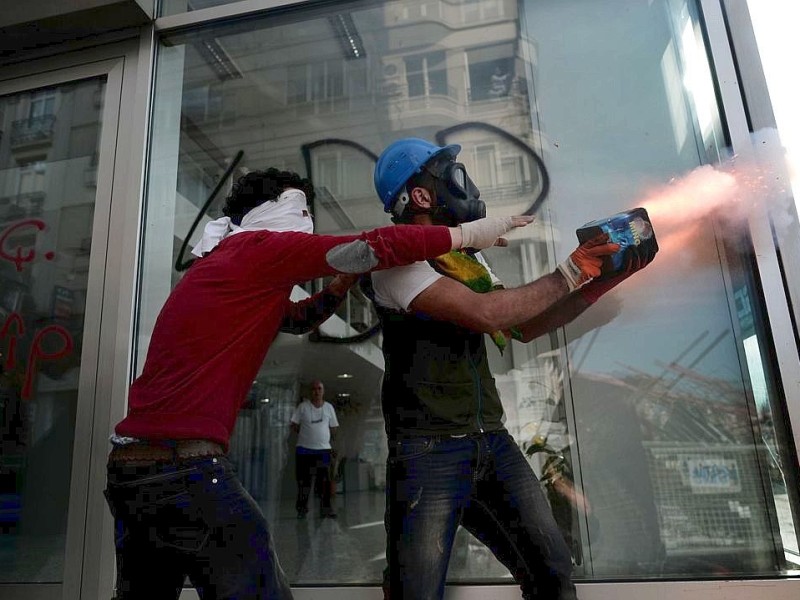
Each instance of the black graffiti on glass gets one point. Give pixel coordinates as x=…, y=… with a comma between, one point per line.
x=19, y=255
x=14, y=329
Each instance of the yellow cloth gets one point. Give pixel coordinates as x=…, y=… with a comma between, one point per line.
x=468, y=270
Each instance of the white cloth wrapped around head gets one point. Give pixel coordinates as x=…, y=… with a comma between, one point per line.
x=289, y=212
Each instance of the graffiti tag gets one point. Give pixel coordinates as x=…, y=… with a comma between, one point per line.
x=13, y=330
x=19, y=255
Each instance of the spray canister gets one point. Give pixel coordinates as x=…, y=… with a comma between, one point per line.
x=628, y=229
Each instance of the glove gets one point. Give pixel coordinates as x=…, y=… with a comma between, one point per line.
x=585, y=262
x=483, y=233
x=636, y=259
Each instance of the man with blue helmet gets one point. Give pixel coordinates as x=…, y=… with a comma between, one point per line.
x=451, y=461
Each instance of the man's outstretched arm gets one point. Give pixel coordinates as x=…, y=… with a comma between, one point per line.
x=312, y=256
x=533, y=309
x=449, y=300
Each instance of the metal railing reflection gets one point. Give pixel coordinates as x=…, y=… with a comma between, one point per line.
x=32, y=130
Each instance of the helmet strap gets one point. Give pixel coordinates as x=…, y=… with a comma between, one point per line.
x=403, y=199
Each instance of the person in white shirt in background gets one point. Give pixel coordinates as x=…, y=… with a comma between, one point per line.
x=314, y=421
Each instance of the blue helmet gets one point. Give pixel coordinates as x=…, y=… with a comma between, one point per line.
x=399, y=161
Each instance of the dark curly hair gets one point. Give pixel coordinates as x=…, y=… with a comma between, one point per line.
x=257, y=187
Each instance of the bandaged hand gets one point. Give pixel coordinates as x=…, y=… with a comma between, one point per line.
x=636, y=259
x=486, y=232
x=585, y=262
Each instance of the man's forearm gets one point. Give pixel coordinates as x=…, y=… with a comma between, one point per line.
x=305, y=315
x=520, y=306
x=449, y=300
x=556, y=316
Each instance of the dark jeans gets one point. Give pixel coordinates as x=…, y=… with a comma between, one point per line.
x=484, y=483
x=190, y=518
x=313, y=465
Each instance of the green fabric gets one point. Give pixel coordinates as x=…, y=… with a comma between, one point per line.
x=467, y=269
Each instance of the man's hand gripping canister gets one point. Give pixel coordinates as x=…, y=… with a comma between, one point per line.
x=630, y=229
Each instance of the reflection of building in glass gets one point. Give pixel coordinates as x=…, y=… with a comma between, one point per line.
x=48, y=173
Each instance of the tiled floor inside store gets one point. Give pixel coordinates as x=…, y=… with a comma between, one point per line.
x=351, y=548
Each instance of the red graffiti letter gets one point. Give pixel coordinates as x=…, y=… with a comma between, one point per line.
x=19, y=259
x=13, y=318
x=37, y=353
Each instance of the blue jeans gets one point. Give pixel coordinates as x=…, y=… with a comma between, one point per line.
x=483, y=483
x=190, y=518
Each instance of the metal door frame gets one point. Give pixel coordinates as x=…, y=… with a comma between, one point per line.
x=89, y=555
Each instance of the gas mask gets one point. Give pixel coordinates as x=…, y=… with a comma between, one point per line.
x=456, y=193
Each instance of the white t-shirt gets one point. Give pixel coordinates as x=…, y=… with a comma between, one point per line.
x=315, y=424
x=397, y=287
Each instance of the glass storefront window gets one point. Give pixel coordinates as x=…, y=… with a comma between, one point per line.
x=48, y=183
x=660, y=406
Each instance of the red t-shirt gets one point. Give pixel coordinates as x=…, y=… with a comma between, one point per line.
x=215, y=328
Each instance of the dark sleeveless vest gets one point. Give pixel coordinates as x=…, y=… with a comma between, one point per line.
x=437, y=378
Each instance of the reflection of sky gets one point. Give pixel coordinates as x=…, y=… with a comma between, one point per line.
x=609, y=135
x=661, y=312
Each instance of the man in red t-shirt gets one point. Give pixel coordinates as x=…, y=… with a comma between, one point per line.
x=179, y=508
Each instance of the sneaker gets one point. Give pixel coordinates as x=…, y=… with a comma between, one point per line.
x=328, y=513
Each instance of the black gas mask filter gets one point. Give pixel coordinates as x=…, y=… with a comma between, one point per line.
x=456, y=193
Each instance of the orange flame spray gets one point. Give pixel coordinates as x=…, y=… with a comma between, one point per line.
x=730, y=193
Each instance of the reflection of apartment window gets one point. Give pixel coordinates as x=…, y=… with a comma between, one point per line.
x=479, y=10
x=490, y=71
x=426, y=74
x=203, y=103
x=42, y=104
x=32, y=177
x=420, y=10
x=37, y=126
x=511, y=170
x=315, y=82
x=485, y=158
x=499, y=169
x=346, y=175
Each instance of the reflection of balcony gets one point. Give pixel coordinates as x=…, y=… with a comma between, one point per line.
x=21, y=206
x=509, y=193
x=517, y=89
x=36, y=130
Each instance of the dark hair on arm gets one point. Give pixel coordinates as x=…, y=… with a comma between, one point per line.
x=257, y=187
